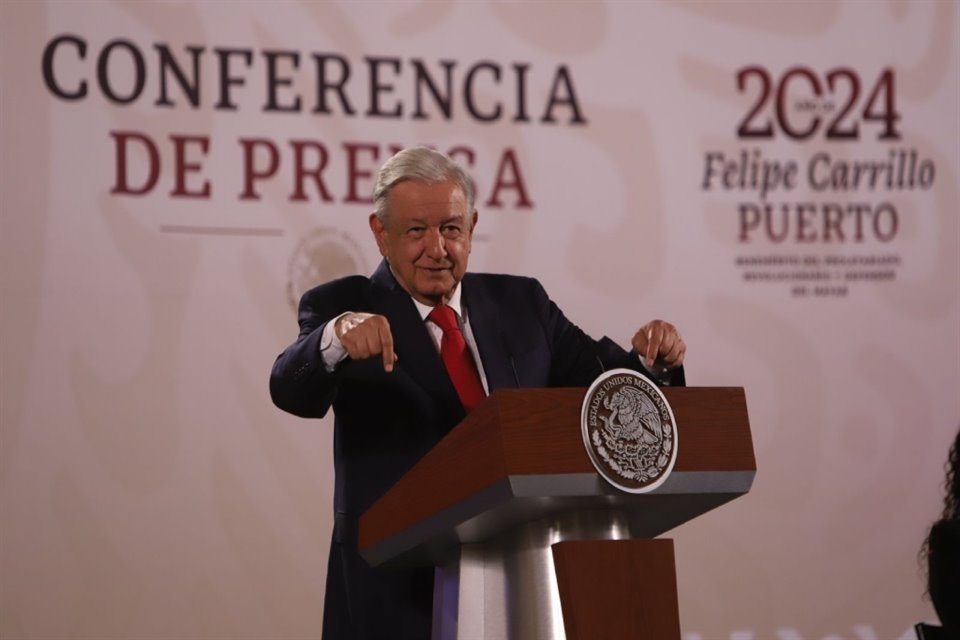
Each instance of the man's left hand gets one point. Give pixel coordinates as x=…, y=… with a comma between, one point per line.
x=659, y=343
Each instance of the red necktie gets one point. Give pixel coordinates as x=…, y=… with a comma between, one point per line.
x=457, y=358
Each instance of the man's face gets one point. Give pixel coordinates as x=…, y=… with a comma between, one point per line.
x=426, y=238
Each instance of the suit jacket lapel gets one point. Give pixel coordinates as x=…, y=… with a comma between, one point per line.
x=416, y=352
x=493, y=340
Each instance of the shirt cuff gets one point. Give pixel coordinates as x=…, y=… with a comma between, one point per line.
x=332, y=351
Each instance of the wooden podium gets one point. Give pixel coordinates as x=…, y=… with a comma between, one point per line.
x=530, y=543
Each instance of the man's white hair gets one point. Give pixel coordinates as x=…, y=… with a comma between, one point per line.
x=419, y=164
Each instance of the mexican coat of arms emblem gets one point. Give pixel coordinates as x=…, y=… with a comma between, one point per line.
x=629, y=431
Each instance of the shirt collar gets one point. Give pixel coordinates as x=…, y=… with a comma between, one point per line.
x=454, y=304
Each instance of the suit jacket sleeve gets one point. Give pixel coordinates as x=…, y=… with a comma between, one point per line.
x=577, y=359
x=299, y=382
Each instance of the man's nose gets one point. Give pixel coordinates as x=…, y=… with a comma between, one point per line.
x=435, y=244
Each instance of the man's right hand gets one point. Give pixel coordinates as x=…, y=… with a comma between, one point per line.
x=365, y=335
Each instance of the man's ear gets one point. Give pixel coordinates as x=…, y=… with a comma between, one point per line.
x=379, y=233
x=473, y=221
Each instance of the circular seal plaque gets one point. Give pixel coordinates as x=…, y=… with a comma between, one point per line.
x=629, y=431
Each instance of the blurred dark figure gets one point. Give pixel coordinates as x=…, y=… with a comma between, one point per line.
x=943, y=552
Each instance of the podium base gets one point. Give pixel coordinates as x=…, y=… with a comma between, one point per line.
x=507, y=588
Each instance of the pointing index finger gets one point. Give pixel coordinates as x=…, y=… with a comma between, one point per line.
x=386, y=343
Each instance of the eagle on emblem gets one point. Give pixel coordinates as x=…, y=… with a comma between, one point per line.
x=633, y=416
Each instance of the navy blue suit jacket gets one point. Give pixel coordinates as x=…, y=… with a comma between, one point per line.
x=385, y=422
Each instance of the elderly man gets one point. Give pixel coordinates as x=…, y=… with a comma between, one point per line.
x=402, y=356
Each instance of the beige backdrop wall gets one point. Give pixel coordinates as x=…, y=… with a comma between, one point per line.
x=624, y=154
